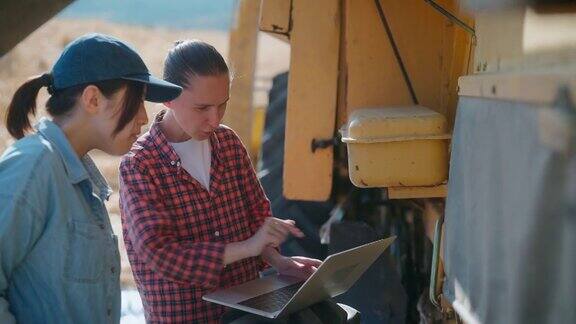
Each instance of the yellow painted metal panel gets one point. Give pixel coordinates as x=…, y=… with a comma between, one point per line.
x=435, y=53
x=341, y=102
x=375, y=125
x=312, y=93
x=425, y=40
x=418, y=192
x=275, y=17
x=258, y=121
x=410, y=163
x=373, y=76
x=397, y=147
x=242, y=60
x=462, y=63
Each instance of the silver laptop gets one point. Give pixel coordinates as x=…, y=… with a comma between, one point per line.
x=277, y=295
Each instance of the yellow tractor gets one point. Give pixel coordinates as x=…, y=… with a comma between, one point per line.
x=454, y=119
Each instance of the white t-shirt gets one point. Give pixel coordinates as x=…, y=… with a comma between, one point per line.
x=196, y=158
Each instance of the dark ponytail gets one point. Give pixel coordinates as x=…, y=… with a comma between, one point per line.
x=23, y=104
x=62, y=101
x=192, y=58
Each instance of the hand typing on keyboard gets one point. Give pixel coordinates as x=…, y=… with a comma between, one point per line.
x=296, y=266
x=273, y=232
x=300, y=267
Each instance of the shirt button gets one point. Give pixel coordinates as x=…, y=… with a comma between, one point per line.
x=109, y=312
x=113, y=270
x=217, y=233
x=172, y=162
x=101, y=226
x=177, y=163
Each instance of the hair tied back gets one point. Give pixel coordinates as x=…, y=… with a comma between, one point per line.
x=48, y=81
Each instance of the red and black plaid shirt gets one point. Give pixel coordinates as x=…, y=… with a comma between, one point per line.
x=175, y=230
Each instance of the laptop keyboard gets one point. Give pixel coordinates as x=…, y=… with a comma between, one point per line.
x=272, y=301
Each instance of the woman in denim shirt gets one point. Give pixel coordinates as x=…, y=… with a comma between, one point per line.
x=59, y=260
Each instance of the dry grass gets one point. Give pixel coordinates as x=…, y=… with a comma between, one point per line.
x=37, y=53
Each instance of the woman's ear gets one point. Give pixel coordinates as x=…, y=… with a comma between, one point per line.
x=168, y=104
x=91, y=99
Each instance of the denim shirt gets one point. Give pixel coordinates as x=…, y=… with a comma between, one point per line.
x=59, y=260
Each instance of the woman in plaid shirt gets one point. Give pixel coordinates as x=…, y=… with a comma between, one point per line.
x=194, y=215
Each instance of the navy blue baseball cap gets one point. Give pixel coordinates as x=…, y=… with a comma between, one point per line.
x=97, y=57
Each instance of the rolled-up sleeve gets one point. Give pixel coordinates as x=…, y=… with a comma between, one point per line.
x=151, y=232
x=258, y=203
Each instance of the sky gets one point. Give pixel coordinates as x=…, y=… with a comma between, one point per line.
x=184, y=14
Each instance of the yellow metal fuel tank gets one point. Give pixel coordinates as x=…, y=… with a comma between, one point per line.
x=397, y=147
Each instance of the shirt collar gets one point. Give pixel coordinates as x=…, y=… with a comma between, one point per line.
x=166, y=150
x=98, y=180
x=77, y=169
x=72, y=163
